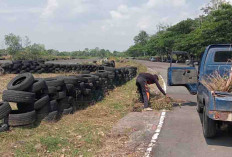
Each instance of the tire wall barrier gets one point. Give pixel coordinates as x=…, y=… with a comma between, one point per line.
x=48, y=99
x=27, y=66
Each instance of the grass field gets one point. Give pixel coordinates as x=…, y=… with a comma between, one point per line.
x=80, y=134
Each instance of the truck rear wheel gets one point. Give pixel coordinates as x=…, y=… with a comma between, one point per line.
x=209, y=125
x=199, y=108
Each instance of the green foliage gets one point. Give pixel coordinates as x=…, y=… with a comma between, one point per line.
x=192, y=35
x=38, y=51
x=141, y=38
x=14, y=43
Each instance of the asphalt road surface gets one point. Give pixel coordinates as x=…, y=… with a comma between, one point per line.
x=182, y=135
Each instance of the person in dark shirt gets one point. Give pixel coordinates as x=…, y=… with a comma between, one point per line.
x=142, y=80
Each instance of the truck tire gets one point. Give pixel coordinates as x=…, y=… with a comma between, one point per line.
x=21, y=82
x=209, y=126
x=199, y=108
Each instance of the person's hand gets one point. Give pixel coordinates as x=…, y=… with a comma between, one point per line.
x=167, y=96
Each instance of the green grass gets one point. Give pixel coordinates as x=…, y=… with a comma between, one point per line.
x=83, y=133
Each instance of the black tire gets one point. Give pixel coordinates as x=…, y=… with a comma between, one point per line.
x=4, y=127
x=82, y=79
x=23, y=108
x=4, y=109
x=209, y=126
x=41, y=102
x=54, y=105
x=52, y=90
x=55, y=83
x=61, y=95
x=63, y=104
x=70, y=87
x=41, y=116
x=71, y=80
x=21, y=119
x=199, y=108
x=68, y=111
x=21, y=82
x=18, y=96
x=45, y=109
x=38, y=85
x=52, y=116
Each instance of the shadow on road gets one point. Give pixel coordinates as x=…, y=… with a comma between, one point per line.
x=223, y=137
x=184, y=104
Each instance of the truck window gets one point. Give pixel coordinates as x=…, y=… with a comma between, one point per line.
x=223, y=56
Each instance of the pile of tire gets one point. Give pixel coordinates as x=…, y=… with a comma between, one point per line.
x=48, y=99
x=109, y=63
x=40, y=66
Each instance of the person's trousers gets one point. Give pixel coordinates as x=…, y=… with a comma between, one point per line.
x=143, y=90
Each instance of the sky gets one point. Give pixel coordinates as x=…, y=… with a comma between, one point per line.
x=69, y=25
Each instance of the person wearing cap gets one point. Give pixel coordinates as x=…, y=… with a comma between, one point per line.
x=141, y=82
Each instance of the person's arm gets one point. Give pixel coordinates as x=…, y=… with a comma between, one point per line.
x=159, y=87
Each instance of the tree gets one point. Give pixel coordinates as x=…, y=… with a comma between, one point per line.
x=36, y=50
x=141, y=38
x=14, y=43
x=27, y=41
x=213, y=5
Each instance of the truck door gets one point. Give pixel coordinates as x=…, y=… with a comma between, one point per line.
x=181, y=74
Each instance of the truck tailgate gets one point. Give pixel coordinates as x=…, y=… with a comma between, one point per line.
x=223, y=101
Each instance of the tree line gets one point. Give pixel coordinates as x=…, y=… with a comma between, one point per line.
x=192, y=35
x=22, y=48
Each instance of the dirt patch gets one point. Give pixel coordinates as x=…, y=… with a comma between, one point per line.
x=131, y=135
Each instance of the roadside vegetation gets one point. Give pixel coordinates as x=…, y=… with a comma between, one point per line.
x=80, y=134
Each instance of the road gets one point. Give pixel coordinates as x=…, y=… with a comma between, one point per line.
x=182, y=135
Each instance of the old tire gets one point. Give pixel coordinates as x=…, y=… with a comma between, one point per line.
x=21, y=82
x=61, y=95
x=18, y=96
x=21, y=119
x=209, y=125
x=68, y=111
x=52, y=116
x=38, y=85
x=41, y=102
x=4, y=127
x=4, y=109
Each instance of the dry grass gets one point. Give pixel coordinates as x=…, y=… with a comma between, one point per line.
x=80, y=134
x=216, y=82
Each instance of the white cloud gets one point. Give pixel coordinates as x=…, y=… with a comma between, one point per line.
x=50, y=8
x=77, y=24
x=158, y=3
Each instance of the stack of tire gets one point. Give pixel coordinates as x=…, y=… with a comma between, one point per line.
x=19, y=66
x=42, y=104
x=19, y=91
x=60, y=102
x=48, y=99
x=109, y=63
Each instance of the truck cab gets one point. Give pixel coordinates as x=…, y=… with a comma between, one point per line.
x=216, y=106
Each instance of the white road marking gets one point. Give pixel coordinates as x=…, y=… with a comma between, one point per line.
x=156, y=135
x=159, y=127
